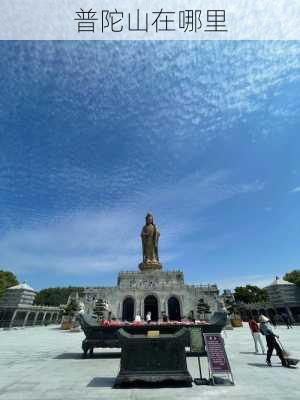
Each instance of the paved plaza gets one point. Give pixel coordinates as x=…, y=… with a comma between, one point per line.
x=44, y=363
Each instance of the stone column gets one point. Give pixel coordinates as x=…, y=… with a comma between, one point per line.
x=51, y=317
x=26, y=318
x=182, y=310
x=13, y=318
x=166, y=307
x=142, y=309
x=36, y=318
x=161, y=306
x=119, y=316
x=44, y=317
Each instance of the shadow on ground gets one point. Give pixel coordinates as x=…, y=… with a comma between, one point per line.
x=110, y=381
x=263, y=365
x=102, y=382
x=77, y=356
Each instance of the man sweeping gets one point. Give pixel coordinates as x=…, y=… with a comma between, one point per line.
x=266, y=330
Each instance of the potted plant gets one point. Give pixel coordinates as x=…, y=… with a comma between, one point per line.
x=69, y=313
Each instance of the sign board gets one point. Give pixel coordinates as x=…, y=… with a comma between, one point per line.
x=216, y=354
x=197, y=344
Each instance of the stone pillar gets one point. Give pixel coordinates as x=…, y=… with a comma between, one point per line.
x=51, y=318
x=166, y=307
x=119, y=316
x=139, y=302
x=162, y=306
x=158, y=306
x=35, y=318
x=26, y=318
x=182, y=310
x=142, y=309
x=43, y=320
x=13, y=318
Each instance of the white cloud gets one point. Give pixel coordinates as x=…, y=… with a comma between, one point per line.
x=108, y=240
x=295, y=190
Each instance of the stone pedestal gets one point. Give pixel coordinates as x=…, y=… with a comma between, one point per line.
x=153, y=360
x=150, y=266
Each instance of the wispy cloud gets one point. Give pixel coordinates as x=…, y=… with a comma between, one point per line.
x=108, y=240
x=295, y=190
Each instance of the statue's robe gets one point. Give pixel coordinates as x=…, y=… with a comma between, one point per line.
x=150, y=236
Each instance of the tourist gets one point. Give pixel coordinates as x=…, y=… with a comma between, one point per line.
x=137, y=318
x=254, y=327
x=287, y=320
x=148, y=317
x=266, y=330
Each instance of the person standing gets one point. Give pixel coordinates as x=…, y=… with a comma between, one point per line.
x=287, y=320
x=148, y=317
x=137, y=318
x=254, y=327
x=266, y=330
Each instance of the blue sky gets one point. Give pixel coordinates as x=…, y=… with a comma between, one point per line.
x=205, y=135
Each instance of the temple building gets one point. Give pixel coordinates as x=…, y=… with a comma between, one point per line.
x=163, y=293
x=283, y=298
x=17, y=309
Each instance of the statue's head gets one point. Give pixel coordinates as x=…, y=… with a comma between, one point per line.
x=149, y=219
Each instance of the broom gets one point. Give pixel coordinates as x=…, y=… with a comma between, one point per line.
x=285, y=353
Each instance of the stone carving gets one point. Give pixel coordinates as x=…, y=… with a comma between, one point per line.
x=150, y=236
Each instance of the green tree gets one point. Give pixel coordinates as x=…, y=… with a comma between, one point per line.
x=250, y=294
x=7, y=279
x=293, y=276
x=56, y=296
x=72, y=307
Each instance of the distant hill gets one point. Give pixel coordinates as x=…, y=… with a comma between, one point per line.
x=56, y=296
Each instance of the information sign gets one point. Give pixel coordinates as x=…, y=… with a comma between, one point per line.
x=216, y=354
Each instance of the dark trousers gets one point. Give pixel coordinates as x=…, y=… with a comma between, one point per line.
x=273, y=344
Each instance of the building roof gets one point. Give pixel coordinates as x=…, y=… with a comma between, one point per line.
x=280, y=281
x=23, y=286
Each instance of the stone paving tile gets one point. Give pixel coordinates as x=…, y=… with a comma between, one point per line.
x=44, y=363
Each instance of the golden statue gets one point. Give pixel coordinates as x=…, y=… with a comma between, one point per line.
x=150, y=236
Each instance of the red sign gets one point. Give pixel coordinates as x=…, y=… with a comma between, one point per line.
x=216, y=353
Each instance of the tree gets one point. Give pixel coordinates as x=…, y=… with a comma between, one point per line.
x=56, y=296
x=7, y=279
x=293, y=277
x=72, y=307
x=250, y=294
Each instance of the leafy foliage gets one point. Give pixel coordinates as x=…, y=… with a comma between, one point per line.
x=250, y=294
x=71, y=308
x=56, y=296
x=7, y=279
x=293, y=276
